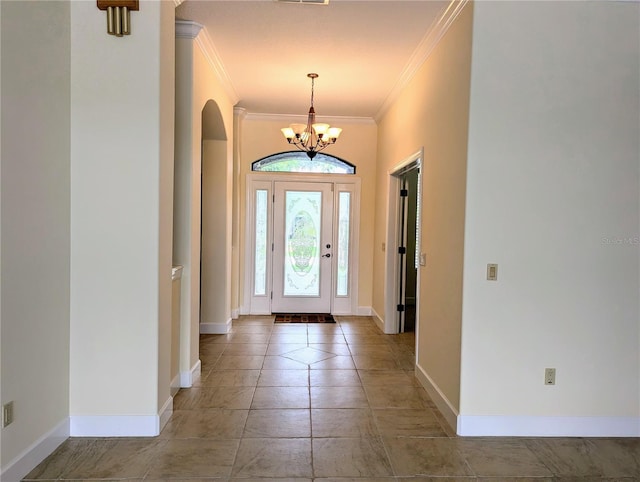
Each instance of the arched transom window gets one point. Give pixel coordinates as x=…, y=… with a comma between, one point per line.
x=298, y=161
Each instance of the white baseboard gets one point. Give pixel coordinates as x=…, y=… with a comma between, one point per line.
x=515, y=426
x=442, y=402
x=235, y=314
x=114, y=425
x=165, y=413
x=187, y=377
x=377, y=319
x=364, y=311
x=216, y=328
x=36, y=453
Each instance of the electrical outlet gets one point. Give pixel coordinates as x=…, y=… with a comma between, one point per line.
x=549, y=376
x=7, y=414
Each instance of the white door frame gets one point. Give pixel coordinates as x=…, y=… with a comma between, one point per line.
x=392, y=269
x=261, y=304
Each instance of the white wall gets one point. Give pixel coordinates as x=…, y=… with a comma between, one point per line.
x=120, y=264
x=552, y=186
x=35, y=229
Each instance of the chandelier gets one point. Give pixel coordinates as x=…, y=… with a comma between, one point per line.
x=311, y=137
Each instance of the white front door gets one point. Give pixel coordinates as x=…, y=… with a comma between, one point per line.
x=302, y=247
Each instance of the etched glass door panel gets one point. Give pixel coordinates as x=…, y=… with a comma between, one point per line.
x=302, y=247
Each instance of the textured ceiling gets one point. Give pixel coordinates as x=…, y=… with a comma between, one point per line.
x=360, y=49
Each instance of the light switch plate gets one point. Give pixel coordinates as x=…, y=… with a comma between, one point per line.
x=492, y=272
x=423, y=259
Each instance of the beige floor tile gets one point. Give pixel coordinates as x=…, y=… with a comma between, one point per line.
x=207, y=362
x=169, y=430
x=335, y=348
x=357, y=339
x=387, y=378
x=426, y=456
x=343, y=422
x=588, y=457
x=334, y=378
x=231, y=378
x=338, y=397
x=282, y=348
x=308, y=355
x=211, y=423
x=406, y=362
x=222, y=397
x=115, y=458
x=408, y=423
x=503, y=458
x=273, y=458
x=370, y=349
x=239, y=362
x=64, y=456
x=212, y=349
x=376, y=362
x=184, y=399
x=194, y=458
x=245, y=349
x=336, y=338
x=350, y=457
x=278, y=423
x=400, y=397
x=336, y=363
x=280, y=362
x=201, y=439
x=284, y=378
x=355, y=479
x=325, y=328
x=281, y=397
x=280, y=338
x=251, y=328
x=268, y=479
x=249, y=337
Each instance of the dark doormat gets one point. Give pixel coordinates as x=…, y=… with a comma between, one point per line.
x=304, y=318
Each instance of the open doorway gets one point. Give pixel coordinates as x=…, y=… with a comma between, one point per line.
x=409, y=230
x=402, y=283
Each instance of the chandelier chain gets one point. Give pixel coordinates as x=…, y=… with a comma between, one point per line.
x=312, y=137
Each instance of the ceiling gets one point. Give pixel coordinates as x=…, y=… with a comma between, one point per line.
x=362, y=50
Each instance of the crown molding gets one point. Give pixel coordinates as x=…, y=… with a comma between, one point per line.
x=292, y=118
x=433, y=36
x=203, y=40
x=188, y=29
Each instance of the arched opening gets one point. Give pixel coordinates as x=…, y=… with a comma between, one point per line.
x=215, y=225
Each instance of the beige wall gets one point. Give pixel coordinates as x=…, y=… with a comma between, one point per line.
x=215, y=278
x=120, y=266
x=553, y=193
x=35, y=197
x=196, y=84
x=432, y=113
x=165, y=208
x=261, y=137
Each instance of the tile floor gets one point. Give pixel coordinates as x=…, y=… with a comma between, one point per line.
x=325, y=402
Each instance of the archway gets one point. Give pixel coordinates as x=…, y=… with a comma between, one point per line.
x=215, y=232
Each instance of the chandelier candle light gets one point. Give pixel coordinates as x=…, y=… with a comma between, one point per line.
x=311, y=137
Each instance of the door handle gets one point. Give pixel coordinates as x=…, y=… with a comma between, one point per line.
x=328, y=255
